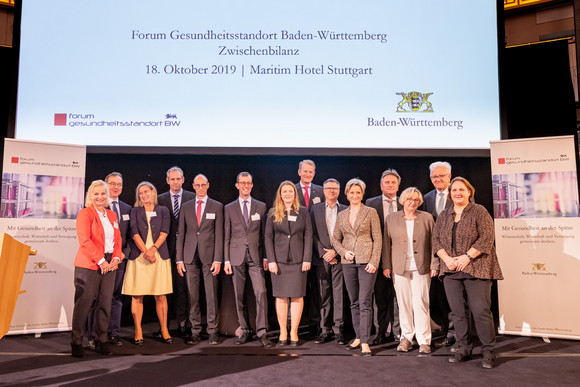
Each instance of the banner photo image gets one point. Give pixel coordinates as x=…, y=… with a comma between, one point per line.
x=42, y=192
x=537, y=225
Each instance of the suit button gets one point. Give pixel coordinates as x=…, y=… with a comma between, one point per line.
x=197, y=233
x=288, y=236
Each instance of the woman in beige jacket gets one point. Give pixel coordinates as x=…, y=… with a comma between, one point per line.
x=357, y=239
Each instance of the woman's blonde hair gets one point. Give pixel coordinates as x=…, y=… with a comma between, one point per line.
x=94, y=184
x=279, y=209
x=408, y=192
x=138, y=202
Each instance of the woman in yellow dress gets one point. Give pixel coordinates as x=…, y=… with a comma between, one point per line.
x=148, y=266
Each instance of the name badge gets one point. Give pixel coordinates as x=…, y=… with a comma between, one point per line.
x=115, y=225
x=125, y=217
x=292, y=218
x=152, y=214
x=255, y=217
x=316, y=200
x=210, y=215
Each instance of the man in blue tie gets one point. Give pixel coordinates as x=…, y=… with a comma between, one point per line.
x=173, y=200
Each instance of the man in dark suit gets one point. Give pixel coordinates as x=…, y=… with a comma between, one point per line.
x=173, y=200
x=308, y=195
x=386, y=311
x=200, y=246
x=327, y=264
x=244, y=224
x=434, y=202
x=114, y=182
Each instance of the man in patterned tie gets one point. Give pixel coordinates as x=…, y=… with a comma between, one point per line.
x=385, y=308
x=199, y=252
x=173, y=200
x=308, y=195
x=434, y=202
x=244, y=255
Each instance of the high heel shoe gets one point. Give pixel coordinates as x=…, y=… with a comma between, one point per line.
x=168, y=340
x=282, y=343
x=138, y=341
x=351, y=347
x=293, y=343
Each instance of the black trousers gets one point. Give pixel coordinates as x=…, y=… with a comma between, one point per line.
x=360, y=286
x=330, y=282
x=91, y=285
x=478, y=292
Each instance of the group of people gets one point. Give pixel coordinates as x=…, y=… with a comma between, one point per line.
x=385, y=252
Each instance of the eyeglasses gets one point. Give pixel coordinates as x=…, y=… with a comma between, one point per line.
x=200, y=185
x=330, y=189
x=440, y=176
x=414, y=200
x=116, y=184
x=245, y=183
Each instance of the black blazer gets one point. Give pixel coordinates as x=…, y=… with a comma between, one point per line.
x=124, y=224
x=207, y=238
x=430, y=205
x=320, y=230
x=237, y=235
x=165, y=200
x=289, y=242
x=159, y=223
x=316, y=192
x=377, y=203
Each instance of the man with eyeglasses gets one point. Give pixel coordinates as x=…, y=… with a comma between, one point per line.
x=173, y=200
x=327, y=264
x=244, y=255
x=114, y=181
x=200, y=246
x=434, y=202
x=385, y=308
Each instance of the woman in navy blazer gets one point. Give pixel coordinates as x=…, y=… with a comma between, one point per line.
x=148, y=269
x=288, y=240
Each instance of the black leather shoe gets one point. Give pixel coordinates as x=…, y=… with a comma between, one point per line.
x=293, y=343
x=184, y=331
x=282, y=343
x=244, y=338
x=104, y=348
x=488, y=360
x=323, y=338
x=446, y=342
x=116, y=341
x=192, y=340
x=213, y=339
x=458, y=358
x=77, y=351
x=138, y=342
x=168, y=340
x=366, y=354
x=339, y=337
x=266, y=342
x=380, y=339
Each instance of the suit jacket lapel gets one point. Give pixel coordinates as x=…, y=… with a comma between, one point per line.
x=362, y=214
x=240, y=215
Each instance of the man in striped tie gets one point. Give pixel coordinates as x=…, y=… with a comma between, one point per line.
x=173, y=200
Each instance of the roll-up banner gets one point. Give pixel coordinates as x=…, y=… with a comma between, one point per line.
x=42, y=192
x=537, y=226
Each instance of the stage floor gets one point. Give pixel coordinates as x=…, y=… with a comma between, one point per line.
x=29, y=361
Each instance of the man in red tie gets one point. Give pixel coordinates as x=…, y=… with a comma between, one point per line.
x=308, y=195
x=200, y=246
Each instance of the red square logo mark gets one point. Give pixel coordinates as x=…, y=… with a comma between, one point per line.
x=501, y=160
x=14, y=160
x=60, y=119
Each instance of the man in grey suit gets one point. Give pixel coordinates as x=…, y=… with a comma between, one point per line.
x=244, y=224
x=386, y=311
x=200, y=245
x=328, y=266
x=310, y=194
x=114, y=181
x=434, y=202
x=173, y=200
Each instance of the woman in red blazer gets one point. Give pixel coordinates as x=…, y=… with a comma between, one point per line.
x=95, y=264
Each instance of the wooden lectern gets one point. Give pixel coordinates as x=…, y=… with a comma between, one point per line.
x=13, y=258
